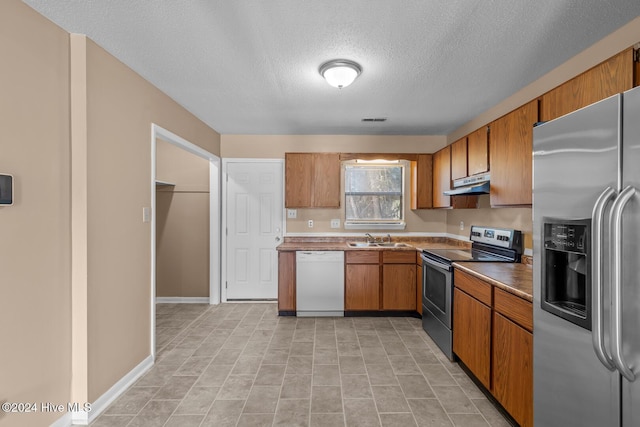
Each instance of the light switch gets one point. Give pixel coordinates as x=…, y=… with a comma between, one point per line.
x=146, y=214
x=292, y=213
x=335, y=223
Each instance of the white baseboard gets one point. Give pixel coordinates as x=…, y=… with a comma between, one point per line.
x=64, y=421
x=84, y=418
x=182, y=300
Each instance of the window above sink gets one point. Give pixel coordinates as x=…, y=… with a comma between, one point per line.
x=374, y=195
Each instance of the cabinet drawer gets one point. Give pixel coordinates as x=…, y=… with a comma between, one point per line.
x=475, y=287
x=363, y=257
x=399, y=257
x=514, y=308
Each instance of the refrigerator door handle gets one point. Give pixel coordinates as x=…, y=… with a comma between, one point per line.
x=616, y=292
x=597, y=224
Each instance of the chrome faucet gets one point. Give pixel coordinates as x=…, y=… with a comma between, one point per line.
x=389, y=238
x=370, y=238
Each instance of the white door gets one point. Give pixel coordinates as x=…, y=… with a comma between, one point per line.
x=255, y=222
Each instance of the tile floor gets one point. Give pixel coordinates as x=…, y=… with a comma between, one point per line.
x=242, y=365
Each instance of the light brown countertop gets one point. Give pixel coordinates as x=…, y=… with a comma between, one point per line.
x=340, y=244
x=514, y=278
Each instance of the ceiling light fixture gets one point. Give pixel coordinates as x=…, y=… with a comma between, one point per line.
x=340, y=72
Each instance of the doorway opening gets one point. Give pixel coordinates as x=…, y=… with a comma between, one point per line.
x=160, y=135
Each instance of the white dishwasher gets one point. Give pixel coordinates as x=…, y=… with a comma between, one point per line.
x=320, y=283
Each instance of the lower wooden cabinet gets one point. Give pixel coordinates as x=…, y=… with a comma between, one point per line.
x=380, y=280
x=286, y=282
x=512, y=362
x=472, y=335
x=492, y=336
x=399, y=287
x=362, y=287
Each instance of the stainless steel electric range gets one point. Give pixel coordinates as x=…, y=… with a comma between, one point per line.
x=488, y=245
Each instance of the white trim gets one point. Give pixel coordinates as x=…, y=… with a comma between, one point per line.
x=97, y=407
x=182, y=300
x=214, y=215
x=215, y=227
x=64, y=421
x=223, y=228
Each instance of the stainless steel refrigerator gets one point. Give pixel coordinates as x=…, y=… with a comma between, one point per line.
x=586, y=231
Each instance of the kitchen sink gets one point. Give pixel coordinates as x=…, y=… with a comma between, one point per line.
x=360, y=244
x=392, y=245
x=377, y=245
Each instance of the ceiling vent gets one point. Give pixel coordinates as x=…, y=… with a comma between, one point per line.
x=374, y=119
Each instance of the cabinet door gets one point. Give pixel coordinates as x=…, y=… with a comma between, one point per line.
x=459, y=159
x=422, y=182
x=362, y=287
x=298, y=179
x=326, y=180
x=513, y=369
x=286, y=281
x=602, y=81
x=472, y=334
x=478, y=151
x=442, y=177
x=510, y=145
x=398, y=287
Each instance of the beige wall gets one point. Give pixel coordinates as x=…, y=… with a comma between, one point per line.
x=517, y=218
x=182, y=223
x=120, y=109
x=274, y=146
x=35, y=253
x=422, y=220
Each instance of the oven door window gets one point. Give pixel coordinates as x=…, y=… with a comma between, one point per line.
x=437, y=288
x=437, y=292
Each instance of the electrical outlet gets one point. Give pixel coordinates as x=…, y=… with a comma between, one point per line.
x=461, y=225
x=335, y=223
x=310, y=223
x=292, y=213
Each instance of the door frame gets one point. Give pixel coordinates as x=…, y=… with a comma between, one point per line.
x=225, y=179
x=214, y=217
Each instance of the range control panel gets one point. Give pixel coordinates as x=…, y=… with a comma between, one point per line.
x=501, y=237
x=566, y=237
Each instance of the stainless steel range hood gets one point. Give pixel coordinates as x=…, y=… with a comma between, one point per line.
x=478, y=184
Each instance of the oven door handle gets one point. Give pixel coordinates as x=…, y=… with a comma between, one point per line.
x=436, y=263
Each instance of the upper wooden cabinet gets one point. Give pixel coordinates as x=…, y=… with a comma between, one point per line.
x=606, y=79
x=470, y=155
x=459, y=159
x=442, y=177
x=422, y=182
x=510, y=148
x=312, y=180
x=478, y=151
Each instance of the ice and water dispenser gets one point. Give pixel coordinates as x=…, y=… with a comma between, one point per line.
x=566, y=270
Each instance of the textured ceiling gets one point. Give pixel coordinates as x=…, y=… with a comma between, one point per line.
x=251, y=66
